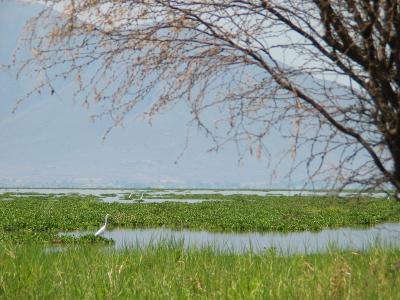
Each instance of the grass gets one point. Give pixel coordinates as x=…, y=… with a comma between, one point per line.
x=41, y=217
x=33, y=267
x=168, y=272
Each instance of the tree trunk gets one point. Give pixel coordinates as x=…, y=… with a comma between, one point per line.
x=394, y=146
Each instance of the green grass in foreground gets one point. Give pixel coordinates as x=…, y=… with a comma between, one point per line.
x=39, y=218
x=169, y=272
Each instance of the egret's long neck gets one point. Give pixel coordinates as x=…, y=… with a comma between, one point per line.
x=105, y=220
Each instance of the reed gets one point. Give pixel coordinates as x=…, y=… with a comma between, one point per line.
x=168, y=271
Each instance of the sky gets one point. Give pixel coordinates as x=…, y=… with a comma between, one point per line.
x=50, y=141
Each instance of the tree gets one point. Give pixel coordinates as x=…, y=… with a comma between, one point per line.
x=327, y=70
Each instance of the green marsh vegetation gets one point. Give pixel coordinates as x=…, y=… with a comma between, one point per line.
x=36, y=263
x=166, y=271
x=45, y=216
x=108, y=195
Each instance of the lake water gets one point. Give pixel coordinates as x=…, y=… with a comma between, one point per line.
x=384, y=235
x=103, y=195
x=151, y=200
x=119, y=193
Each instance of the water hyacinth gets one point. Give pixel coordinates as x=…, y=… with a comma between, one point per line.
x=36, y=262
x=46, y=215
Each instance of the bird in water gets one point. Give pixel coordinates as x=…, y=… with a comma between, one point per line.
x=103, y=228
x=131, y=194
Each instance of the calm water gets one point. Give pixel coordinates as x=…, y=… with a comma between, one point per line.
x=151, y=200
x=120, y=192
x=387, y=234
x=104, y=195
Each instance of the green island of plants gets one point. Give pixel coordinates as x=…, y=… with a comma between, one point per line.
x=40, y=218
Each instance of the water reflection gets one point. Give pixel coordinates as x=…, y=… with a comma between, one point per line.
x=384, y=235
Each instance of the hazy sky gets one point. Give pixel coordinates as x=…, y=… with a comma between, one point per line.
x=51, y=141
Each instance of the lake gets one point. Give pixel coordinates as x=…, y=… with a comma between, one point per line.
x=387, y=234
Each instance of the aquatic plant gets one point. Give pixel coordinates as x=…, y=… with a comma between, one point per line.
x=46, y=216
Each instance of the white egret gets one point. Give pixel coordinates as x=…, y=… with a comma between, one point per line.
x=103, y=228
x=140, y=199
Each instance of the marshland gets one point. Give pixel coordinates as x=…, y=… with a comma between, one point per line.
x=211, y=95
x=48, y=248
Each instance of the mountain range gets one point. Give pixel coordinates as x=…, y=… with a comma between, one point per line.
x=50, y=140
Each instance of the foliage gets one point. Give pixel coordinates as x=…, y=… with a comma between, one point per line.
x=40, y=218
x=36, y=263
x=323, y=73
x=168, y=271
x=108, y=195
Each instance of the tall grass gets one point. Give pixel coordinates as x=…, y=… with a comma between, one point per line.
x=91, y=270
x=168, y=271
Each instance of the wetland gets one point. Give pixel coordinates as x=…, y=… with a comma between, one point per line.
x=224, y=245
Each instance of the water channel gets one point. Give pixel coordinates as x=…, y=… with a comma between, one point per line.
x=384, y=235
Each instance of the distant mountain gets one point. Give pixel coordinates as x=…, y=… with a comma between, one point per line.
x=51, y=142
